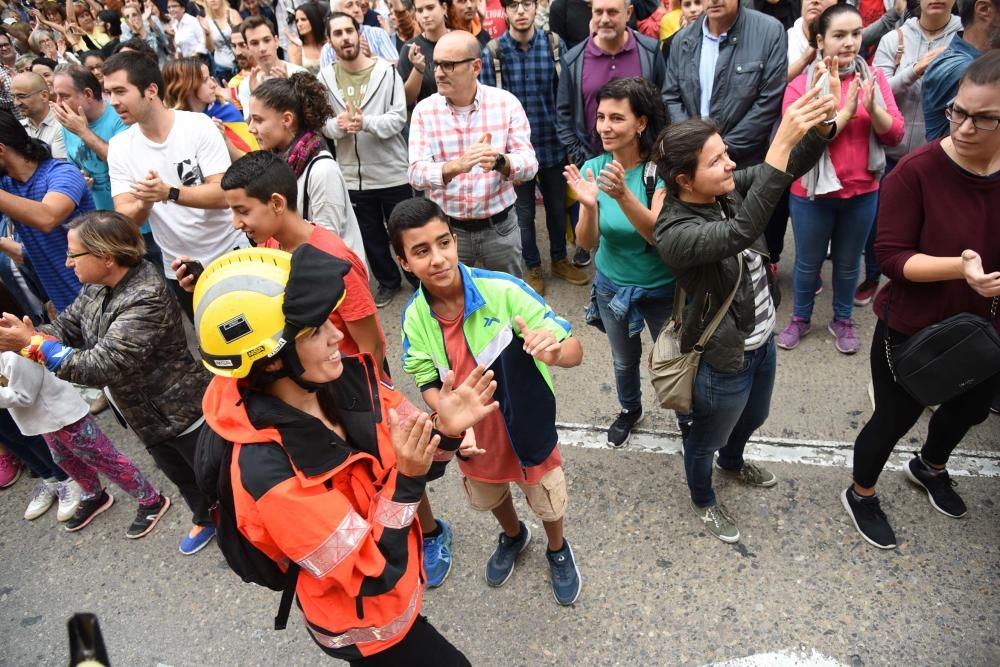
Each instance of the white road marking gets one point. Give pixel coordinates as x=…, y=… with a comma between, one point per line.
x=781, y=659
x=963, y=463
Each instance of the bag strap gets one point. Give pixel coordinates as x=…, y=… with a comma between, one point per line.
x=287, y=595
x=493, y=46
x=899, y=47
x=677, y=314
x=305, y=185
x=717, y=320
x=555, y=47
x=649, y=182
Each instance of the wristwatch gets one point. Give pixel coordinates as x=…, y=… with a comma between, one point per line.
x=500, y=163
x=173, y=194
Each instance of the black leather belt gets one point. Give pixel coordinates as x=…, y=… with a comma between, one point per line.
x=481, y=223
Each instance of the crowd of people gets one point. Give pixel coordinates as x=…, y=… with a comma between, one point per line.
x=269, y=174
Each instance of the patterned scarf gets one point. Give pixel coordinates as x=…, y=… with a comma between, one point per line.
x=302, y=150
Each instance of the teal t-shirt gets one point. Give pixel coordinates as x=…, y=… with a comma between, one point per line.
x=623, y=255
x=107, y=126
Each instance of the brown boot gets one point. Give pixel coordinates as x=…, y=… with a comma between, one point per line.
x=533, y=277
x=571, y=274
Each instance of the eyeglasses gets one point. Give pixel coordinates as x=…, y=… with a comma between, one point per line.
x=20, y=97
x=985, y=123
x=74, y=255
x=6, y=45
x=523, y=4
x=448, y=66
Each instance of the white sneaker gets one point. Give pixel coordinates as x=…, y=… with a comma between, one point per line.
x=69, y=498
x=42, y=497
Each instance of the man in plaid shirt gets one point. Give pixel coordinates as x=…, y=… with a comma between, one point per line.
x=527, y=60
x=469, y=145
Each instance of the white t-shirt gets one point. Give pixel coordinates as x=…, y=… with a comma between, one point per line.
x=189, y=37
x=797, y=42
x=194, y=150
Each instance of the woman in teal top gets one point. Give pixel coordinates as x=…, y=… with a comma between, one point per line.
x=620, y=197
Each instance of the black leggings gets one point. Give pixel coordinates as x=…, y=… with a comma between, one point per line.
x=896, y=412
x=423, y=646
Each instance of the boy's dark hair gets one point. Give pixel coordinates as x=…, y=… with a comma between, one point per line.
x=48, y=62
x=262, y=174
x=412, y=213
x=141, y=72
x=678, y=147
x=138, y=45
x=252, y=22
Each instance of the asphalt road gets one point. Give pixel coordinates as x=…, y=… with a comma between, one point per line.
x=800, y=588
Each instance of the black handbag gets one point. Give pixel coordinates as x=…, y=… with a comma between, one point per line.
x=946, y=359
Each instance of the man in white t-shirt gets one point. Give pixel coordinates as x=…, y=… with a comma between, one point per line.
x=262, y=43
x=167, y=168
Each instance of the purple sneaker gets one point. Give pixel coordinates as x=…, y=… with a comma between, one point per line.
x=847, y=341
x=789, y=338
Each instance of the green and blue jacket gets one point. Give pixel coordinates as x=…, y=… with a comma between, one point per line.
x=524, y=386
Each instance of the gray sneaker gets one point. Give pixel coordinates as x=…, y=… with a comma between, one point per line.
x=719, y=522
x=751, y=474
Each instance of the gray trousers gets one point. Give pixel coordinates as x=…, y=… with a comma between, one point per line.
x=496, y=247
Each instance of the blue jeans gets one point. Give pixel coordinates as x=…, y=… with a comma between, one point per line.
x=872, y=270
x=553, y=187
x=727, y=409
x=626, y=351
x=842, y=223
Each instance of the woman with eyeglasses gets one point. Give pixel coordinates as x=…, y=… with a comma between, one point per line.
x=83, y=30
x=939, y=244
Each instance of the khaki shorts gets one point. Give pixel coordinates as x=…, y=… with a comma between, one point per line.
x=547, y=499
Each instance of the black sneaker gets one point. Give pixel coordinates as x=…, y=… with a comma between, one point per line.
x=88, y=509
x=147, y=517
x=582, y=257
x=995, y=405
x=385, y=295
x=869, y=519
x=939, y=485
x=621, y=430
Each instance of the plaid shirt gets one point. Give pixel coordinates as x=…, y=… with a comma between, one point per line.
x=531, y=76
x=438, y=134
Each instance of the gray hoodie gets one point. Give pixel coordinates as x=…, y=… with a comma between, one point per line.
x=375, y=158
x=903, y=79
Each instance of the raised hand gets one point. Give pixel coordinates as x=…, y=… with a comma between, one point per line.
x=72, y=119
x=461, y=407
x=985, y=284
x=413, y=443
x=851, y=101
x=365, y=47
x=417, y=58
x=539, y=343
x=868, y=95
x=585, y=189
x=921, y=65
x=15, y=333
x=469, y=446
x=611, y=180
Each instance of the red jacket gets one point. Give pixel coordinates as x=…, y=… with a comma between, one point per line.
x=340, y=509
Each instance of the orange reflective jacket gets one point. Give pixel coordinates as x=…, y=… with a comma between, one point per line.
x=337, y=507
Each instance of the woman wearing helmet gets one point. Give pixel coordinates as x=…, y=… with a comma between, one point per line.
x=324, y=473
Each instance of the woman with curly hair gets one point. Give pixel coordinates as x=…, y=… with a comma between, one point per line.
x=287, y=117
x=306, y=44
x=190, y=87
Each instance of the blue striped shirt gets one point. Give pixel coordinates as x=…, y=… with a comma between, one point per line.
x=47, y=250
x=530, y=75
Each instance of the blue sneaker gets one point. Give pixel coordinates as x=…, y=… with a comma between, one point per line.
x=437, y=555
x=501, y=564
x=566, y=580
x=193, y=544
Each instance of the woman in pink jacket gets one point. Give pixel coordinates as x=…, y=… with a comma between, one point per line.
x=834, y=205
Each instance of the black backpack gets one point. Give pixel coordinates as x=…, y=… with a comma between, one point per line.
x=212, y=473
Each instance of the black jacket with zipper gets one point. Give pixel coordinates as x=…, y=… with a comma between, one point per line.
x=699, y=243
